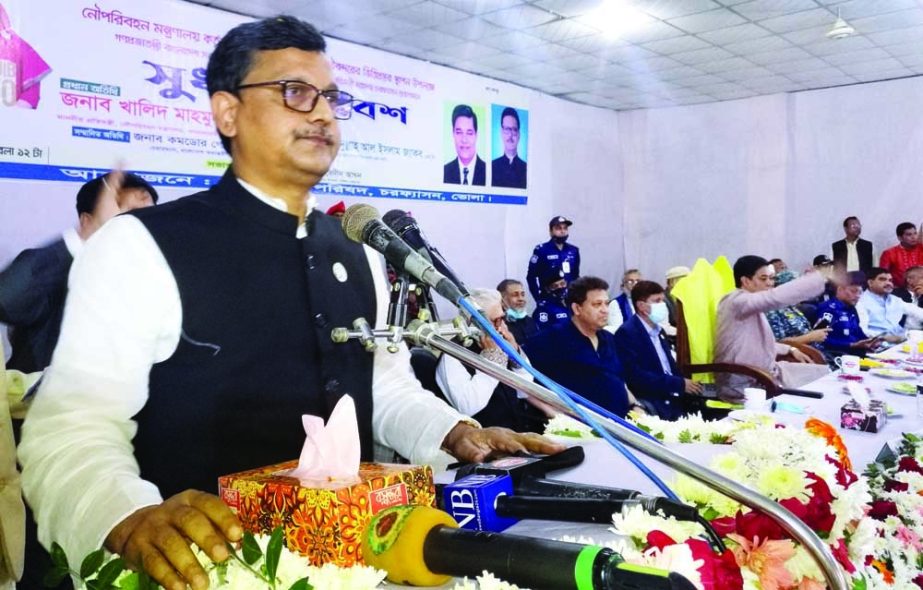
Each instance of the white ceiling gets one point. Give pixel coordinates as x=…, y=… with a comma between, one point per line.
x=683, y=51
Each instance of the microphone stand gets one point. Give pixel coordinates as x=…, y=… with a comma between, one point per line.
x=422, y=334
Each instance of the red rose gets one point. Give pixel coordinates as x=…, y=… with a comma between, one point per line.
x=841, y=553
x=881, y=509
x=892, y=485
x=918, y=581
x=909, y=464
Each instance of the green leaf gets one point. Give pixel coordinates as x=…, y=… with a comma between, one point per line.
x=54, y=576
x=58, y=558
x=251, y=549
x=110, y=572
x=146, y=583
x=273, y=552
x=130, y=582
x=91, y=563
x=301, y=584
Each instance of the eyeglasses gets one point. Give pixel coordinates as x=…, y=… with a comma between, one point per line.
x=302, y=97
x=510, y=130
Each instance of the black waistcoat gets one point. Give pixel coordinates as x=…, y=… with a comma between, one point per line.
x=258, y=305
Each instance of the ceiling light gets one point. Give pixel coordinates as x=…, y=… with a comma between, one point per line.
x=615, y=17
x=841, y=29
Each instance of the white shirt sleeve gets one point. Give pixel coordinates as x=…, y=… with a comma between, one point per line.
x=469, y=394
x=405, y=417
x=863, y=313
x=122, y=315
x=615, y=317
x=912, y=310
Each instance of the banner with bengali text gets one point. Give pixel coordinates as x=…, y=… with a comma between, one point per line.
x=115, y=80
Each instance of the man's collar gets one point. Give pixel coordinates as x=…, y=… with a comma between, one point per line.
x=281, y=205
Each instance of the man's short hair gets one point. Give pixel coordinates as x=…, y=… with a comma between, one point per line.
x=902, y=227
x=644, y=289
x=233, y=56
x=913, y=270
x=507, y=283
x=875, y=272
x=507, y=112
x=747, y=266
x=856, y=277
x=485, y=298
x=774, y=260
x=88, y=195
x=630, y=271
x=577, y=291
x=848, y=219
x=464, y=110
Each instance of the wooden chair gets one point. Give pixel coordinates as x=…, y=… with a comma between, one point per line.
x=816, y=356
x=687, y=368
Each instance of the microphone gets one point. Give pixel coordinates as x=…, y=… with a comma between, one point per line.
x=406, y=227
x=485, y=502
x=361, y=224
x=421, y=546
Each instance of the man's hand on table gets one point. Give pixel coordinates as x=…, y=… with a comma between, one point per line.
x=693, y=387
x=156, y=538
x=475, y=445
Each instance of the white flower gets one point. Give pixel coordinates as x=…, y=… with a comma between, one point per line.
x=561, y=425
x=331, y=577
x=634, y=522
x=486, y=581
x=675, y=558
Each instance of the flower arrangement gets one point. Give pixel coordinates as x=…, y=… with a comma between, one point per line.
x=262, y=562
x=888, y=548
x=695, y=429
x=802, y=471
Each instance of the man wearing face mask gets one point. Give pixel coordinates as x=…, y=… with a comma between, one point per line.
x=556, y=253
x=551, y=309
x=521, y=325
x=649, y=369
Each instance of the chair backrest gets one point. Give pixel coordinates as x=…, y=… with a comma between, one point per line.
x=12, y=509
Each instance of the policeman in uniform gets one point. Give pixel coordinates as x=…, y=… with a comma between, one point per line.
x=551, y=309
x=846, y=335
x=555, y=253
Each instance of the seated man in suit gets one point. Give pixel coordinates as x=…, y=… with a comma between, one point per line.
x=620, y=308
x=468, y=167
x=34, y=285
x=912, y=294
x=650, y=370
x=578, y=353
x=852, y=253
x=483, y=397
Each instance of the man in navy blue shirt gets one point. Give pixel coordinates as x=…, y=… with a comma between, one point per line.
x=555, y=253
x=579, y=354
x=846, y=335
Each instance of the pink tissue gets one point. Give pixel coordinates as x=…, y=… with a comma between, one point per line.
x=332, y=451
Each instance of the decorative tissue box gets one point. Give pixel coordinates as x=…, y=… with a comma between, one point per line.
x=852, y=417
x=323, y=520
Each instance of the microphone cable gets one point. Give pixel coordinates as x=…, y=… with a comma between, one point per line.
x=572, y=400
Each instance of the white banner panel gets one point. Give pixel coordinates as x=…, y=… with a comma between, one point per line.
x=125, y=81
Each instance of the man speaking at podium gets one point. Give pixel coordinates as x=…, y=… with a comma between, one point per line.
x=197, y=334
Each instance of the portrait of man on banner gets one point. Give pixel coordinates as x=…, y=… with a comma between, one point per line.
x=510, y=133
x=21, y=68
x=467, y=168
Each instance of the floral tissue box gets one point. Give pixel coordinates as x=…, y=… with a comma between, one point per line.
x=852, y=417
x=323, y=520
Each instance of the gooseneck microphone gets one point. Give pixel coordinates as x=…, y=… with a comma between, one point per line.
x=361, y=224
x=406, y=227
x=419, y=545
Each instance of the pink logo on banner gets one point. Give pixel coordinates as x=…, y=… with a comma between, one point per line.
x=21, y=68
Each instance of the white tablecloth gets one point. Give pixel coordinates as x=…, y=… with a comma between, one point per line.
x=605, y=466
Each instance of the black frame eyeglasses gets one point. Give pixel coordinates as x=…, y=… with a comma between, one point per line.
x=302, y=97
